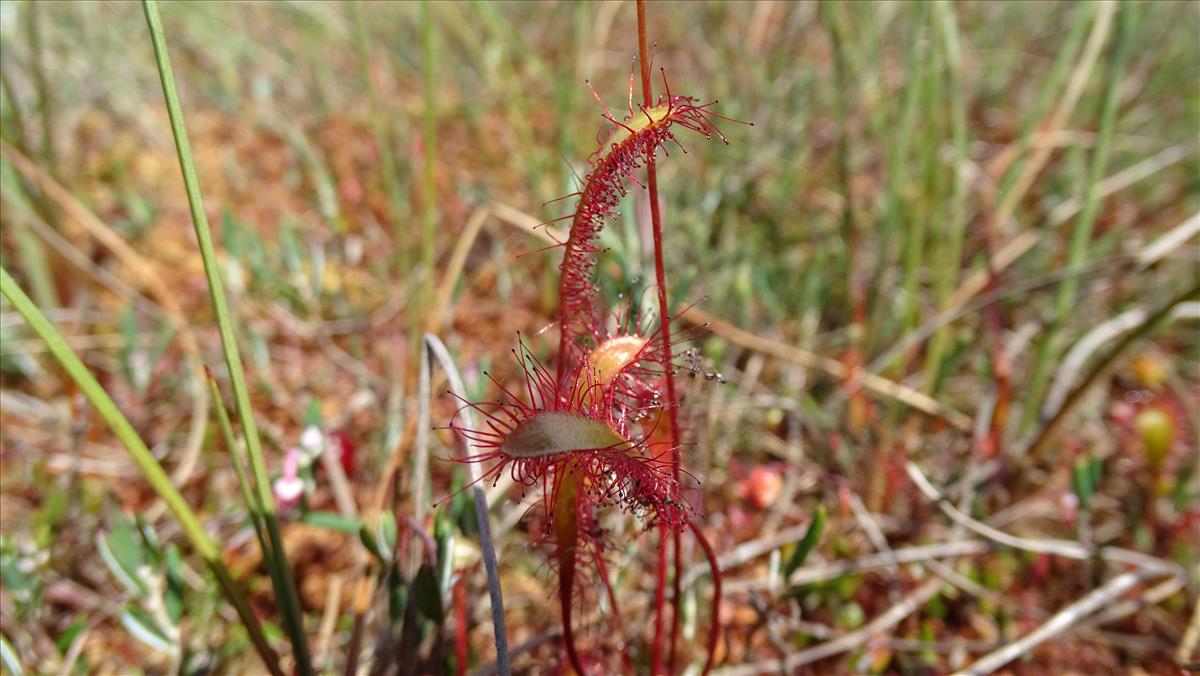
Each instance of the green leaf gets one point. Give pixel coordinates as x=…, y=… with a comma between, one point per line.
x=428, y=594
x=368, y=541
x=151, y=547
x=1081, y=482
x=272, y=631
x=397, y=594
x=462, y=508
x=333, y=521
x=936, y=607
x=928, y=635
x=312, y=415
x=850, y=615
x=68, y=636
x=143, y=627
x=807, y=543
x=121, y=551
x=556, y=432
x=385, y=533
x=8, y=658
x=11, y=575
x=54, y=507
x=134, y=364
x=443, y=530
x=173, y=594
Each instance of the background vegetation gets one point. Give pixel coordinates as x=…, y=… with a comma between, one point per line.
x=958, y=244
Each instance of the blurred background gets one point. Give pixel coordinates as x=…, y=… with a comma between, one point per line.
x=956, y=245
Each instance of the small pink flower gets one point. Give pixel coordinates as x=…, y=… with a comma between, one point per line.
x=289, y=487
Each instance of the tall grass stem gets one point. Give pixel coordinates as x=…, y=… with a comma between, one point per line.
x=898, y=216
x=1081, y=234
x=37, y=268
x=1052, y=87
x=429, y=218
x=382, y=130
x=41, y=83
x=239, y=468
x=946, y=273
x=285, y=590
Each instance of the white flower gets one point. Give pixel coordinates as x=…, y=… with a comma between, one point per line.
x=312, y=443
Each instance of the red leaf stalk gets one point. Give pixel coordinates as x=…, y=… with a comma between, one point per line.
x=714, y=628
x=664, y=310
x=566, y=532
x=461, y=650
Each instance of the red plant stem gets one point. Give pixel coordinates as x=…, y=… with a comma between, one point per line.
x=460, y=628
x=564, y=597
x=664, y=313
x=1001, y=370
x=566, y=533
x=660, y=598
x=714, y=628
x=676, y=588
x=994, y=323
x=602, y=569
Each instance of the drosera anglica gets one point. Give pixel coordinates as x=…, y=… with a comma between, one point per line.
x=598, y=432
x=584, y=453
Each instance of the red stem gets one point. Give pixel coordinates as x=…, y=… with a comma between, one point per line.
x=566, y=533
x=676, y=587
x=994, y=321
x=618, y=630
x=714, y=627
x=664, y=313
x=660, y=597
x=460, y=628
x=565, y=591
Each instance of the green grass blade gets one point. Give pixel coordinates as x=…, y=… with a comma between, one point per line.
x=33, y=17
x=235, y=457
x=8, y=657
x=429, y=207
x=149, y=467
x=1049, y=90
x=1081, y=234
x=382, y=129
x=286, y=590
x=950, y=241
x=37, y=268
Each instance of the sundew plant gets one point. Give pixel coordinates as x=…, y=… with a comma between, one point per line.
x=406, y=338
x=602, y=429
